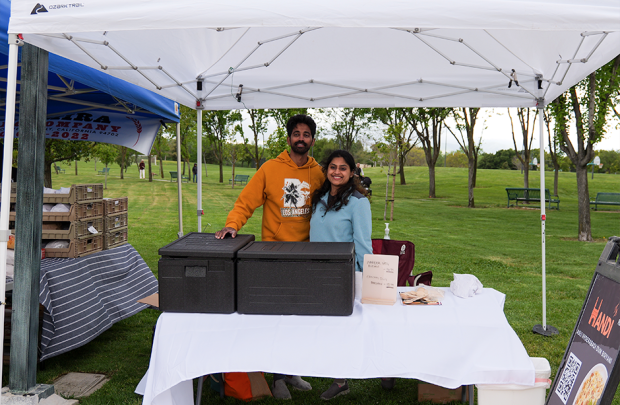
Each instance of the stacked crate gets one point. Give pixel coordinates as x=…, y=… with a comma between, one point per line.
x=115, y=218
x=82, y=226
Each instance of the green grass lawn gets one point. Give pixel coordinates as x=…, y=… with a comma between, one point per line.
x=501, y=246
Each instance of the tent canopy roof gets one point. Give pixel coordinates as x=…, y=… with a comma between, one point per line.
x=73, y=87
x=393, y=53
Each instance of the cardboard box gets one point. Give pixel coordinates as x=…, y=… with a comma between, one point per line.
x=440, y=395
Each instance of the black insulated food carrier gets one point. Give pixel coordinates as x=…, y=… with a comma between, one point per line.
x=197, y=273
x=296, y=278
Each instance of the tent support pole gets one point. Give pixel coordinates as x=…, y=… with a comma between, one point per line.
x=543, y=329
x=28, y=210
x=179, y=179
x=199, y=158
x=7, y=164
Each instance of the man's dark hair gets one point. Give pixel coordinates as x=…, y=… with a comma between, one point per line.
x=300, y=119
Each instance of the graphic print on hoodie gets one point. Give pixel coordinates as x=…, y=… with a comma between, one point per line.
x=296, y=193
x=284, y=190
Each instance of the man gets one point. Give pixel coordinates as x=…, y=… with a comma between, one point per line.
x=359, y=172
x=195, y=171
x=284, y=187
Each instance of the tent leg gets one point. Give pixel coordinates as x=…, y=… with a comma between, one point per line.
x=7, y=164
x=179, y=180
x=543, y=329
x=199, y=175
x=31, y=157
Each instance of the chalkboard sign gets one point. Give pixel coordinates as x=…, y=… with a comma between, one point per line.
x=590, y=370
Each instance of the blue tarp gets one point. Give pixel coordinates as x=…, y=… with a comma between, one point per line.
x=108, y=90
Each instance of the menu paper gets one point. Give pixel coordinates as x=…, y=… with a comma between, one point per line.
x=379, y=279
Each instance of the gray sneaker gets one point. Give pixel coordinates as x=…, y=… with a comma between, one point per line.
x=279, y=390
x=296, y=382
x=335, y=390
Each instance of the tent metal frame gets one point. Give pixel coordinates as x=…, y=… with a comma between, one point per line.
x=292, y=37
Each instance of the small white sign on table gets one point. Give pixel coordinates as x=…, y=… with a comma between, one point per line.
x=379, y=279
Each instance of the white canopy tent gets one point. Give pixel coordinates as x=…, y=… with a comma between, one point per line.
x=282, y=54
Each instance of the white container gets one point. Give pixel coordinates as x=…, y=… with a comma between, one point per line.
x=511, y=394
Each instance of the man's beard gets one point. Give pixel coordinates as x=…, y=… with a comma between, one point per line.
x=300, y=150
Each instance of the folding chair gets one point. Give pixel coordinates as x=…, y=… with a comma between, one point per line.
x=406, y=260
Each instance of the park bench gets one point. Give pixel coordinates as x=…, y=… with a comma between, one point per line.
x=530, y=195
x=173, y=177
x=105, y=170
x=240, y=178
x=605, y=199
x=58, y=169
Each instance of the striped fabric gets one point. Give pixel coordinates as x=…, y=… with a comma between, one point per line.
x=86, y=296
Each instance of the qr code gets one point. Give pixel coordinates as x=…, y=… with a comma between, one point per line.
x=569, y=374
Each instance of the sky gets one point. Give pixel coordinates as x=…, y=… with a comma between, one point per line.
x=494, y=127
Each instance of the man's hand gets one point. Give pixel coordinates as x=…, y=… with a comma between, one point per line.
x=225, y=231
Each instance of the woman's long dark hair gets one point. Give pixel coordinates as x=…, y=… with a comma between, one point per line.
x=344, y=193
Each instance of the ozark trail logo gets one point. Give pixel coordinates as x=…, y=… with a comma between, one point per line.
x=39, y=8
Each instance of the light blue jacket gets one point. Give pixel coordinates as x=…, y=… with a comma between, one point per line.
x=353, y=223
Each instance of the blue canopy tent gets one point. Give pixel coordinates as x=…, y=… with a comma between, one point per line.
x=75, y=90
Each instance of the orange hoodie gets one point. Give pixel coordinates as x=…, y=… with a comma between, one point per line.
x=284, y=189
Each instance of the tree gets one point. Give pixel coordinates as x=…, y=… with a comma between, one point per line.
x=416, y=157
x=259, y=120
x=610, y=160
x=59, y=150
x=399, y=134
x=220, y=127
x=107, y=154
x=160, y=147
x=124, y=158
x=553, y=153
x=465, y=123
x=502, y=159
x=188, y=134
x=457, y=159
x=323, y=147
x=428, y=124
x=588, y=104
x=528, y=124
x=346, y=124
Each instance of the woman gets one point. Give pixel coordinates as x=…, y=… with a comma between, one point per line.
x=341, y=213
x=141, y=167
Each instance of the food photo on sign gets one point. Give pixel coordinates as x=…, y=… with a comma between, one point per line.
x=589, y=373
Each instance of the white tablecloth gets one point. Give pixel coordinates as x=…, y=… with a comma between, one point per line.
x=462, y=342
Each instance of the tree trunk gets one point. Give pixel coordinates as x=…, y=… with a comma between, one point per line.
x=431, y=181
x=555, y=180
x=583, y=198
x=471, y=180
x=150, y=170
x=76, y=173
x=526, y=175
x=394, y=189
x=123, y=164
x=401, y=165
x=221, y=172
x=233, y=170
x=161, y=168
x=47, y=179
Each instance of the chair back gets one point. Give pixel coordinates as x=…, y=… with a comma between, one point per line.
x=406, y=257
